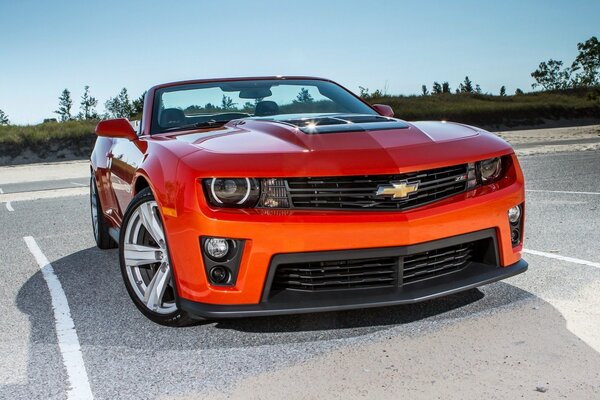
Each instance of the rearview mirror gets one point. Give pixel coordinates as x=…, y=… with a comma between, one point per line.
x=255, y=93
x=116, y=128
x=384, y=110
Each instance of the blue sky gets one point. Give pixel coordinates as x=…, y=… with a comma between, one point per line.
x=46, y=46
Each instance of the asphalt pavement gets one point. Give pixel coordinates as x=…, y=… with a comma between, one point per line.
x=126, y=356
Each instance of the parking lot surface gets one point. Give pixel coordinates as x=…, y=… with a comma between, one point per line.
x=536, y=335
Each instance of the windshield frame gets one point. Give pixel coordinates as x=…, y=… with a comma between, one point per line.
x=157, y=91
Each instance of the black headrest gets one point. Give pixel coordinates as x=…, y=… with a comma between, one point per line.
x=266, y=108
x=170, y=117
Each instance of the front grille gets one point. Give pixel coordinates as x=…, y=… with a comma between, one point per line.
x=359, y=192
x=327, y=275
x=379, y=272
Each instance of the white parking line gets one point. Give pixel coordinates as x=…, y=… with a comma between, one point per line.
x=8, y=205
x=561, y=191
x=562, y=258
x=44, y=194
x=68, y=342
x=78, y=184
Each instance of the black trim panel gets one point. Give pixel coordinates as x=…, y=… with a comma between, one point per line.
x=458, y=284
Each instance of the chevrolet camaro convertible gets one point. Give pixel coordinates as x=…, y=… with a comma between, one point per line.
x=280, y=195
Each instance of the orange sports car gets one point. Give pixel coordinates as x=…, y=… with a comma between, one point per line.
x=279, y=195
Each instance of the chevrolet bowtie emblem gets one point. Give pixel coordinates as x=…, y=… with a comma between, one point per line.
x=398, y=189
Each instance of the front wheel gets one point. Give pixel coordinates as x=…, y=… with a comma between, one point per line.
x=145, y=263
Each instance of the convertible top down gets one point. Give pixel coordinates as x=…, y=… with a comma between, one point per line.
x=261, y=196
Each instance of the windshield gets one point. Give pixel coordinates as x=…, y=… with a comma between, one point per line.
x=215, y=103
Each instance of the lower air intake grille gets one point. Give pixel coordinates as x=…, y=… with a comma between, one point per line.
x=342, y=274
x=373, y=272
x=431, y=264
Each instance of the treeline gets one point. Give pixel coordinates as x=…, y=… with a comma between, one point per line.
x=584, y=72
x=119, y=106
x=466, y=86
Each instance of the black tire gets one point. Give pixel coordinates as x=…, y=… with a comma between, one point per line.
x=99, y=224
x=178, y=318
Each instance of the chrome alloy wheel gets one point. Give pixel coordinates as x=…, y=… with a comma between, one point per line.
x=147, y=260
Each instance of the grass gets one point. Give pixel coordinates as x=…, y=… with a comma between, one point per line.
x=48, y=138
x=36, y=134
x=490, y=111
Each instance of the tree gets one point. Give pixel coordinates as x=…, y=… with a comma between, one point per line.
x=503, y=90
x=446, y=87
x=436, y=88
x=478, y=89
x=364, y=92
x=119, y=106
x=64, y=106
x=137, y=105
x=424, y=90
x=518, y=92
x=304, y=96
x=550, y=76
x=466, y=86
x=4, y=118
x=588, y=62
x=227, y=103
x=87, y=106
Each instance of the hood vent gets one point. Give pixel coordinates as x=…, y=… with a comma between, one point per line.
x=344, y=123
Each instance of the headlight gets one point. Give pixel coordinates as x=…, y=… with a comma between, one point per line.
x=489, y=170
x=232, y=192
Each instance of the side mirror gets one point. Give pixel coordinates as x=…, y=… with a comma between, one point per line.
x=384, y=110
x=116, y=128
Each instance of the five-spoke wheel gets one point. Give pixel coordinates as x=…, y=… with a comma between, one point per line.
x=145, y=262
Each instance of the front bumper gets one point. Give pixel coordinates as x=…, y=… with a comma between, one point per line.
x=480, y=271
x=270, y=233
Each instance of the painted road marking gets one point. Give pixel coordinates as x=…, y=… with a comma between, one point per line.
x=68, y=342
x=43, y=194
x=561, y=191
x=8, y=205
x=78, y=184
x=562, y=258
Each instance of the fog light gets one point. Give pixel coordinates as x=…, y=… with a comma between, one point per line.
x=515, y=237
x=514, y=215
x=217, y=248
x=219, y=274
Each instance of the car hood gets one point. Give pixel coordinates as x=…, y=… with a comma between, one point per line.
x=255, y=147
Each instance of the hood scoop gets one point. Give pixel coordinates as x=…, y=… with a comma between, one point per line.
x=343, y=123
